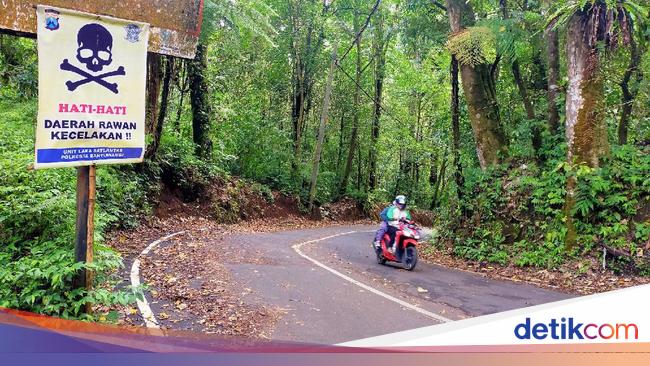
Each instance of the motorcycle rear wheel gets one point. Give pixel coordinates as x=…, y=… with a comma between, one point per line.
x=380, y=257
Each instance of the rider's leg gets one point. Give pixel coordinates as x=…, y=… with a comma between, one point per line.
x=392, y=232
x=380, y=233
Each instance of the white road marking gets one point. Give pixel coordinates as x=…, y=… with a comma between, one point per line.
x=405, y=304
x=148, y=315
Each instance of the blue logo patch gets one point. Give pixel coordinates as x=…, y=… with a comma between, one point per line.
x=132, y=33
x=51, y=19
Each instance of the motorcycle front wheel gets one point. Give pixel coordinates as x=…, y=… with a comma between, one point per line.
x=410, y=258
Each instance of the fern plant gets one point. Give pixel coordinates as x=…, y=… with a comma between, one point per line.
x=474, y=46
x=608, y=19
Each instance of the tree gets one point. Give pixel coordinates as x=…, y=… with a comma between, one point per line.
x=478, y=80
x=521, y=86
x=586, y=132
x=321, y=129
x=629, y=92
x=305, y=41
x=357, y=96
x=182, y=84
x=553, y=73
x=201, y=108
x=162, y=113
x=380, y=46
x=154, y=75
x=241, y=16
x=455, y=131
x=591, y=26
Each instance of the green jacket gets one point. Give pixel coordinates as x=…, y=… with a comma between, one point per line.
x=394, y=215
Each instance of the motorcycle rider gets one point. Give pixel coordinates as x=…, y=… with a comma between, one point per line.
x=391, y=216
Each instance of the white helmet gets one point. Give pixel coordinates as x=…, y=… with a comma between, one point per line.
x=400, y=201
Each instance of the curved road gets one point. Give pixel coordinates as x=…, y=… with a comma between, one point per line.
x=340, y=293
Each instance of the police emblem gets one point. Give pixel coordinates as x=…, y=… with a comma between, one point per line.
x=132, y=33
x=51, y=19
x=165, y=35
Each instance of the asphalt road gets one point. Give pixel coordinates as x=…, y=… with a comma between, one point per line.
x=348, y=296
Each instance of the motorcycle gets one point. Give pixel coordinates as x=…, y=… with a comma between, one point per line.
x=406, y=252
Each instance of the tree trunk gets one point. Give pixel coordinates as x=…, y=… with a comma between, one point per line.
x=201, y=111
x=553, y=60
x=402, y=173
x=298, y=81
x=297, y=116
x=628, y=94
x=455, y=129
x=355, y=119
x=523, y=92
x=480, y=92
x=359, y=175
x=321, y=129
x=303, y=56
x=433, y=173
x=586, y=131
x=379, y=47
x=528, y=106
x=339, y=157
x=154, y=76
x=441, y=178
x=183, y=89
x=164, y=101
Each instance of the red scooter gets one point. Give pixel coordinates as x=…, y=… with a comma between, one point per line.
x=406, y=252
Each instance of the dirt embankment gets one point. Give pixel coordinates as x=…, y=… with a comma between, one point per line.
x=236, y=200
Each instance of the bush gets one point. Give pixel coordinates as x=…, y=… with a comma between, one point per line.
x=179, y=168
x=516, y=214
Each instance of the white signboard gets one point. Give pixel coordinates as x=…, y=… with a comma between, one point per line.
x=91, y=84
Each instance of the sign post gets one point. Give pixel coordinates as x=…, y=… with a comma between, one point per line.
x=85, y=226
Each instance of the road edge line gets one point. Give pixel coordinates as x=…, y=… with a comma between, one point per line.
x=296, y=248
x=143, y=305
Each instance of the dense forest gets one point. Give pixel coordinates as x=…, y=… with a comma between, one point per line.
x=523, y=125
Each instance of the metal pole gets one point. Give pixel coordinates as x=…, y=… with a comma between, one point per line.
x=85, y=227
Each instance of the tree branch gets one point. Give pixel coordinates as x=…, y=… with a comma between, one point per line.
x=356, y=39
x=439, y=5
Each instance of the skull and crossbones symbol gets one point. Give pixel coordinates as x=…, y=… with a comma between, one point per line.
x=95, y=50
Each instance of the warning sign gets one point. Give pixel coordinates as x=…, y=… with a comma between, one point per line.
x=92, y=74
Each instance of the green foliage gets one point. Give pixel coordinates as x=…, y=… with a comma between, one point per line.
x=609, y=198
x=178, y=167
x=517, y=213
x=247, y=16
x=17, y=67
